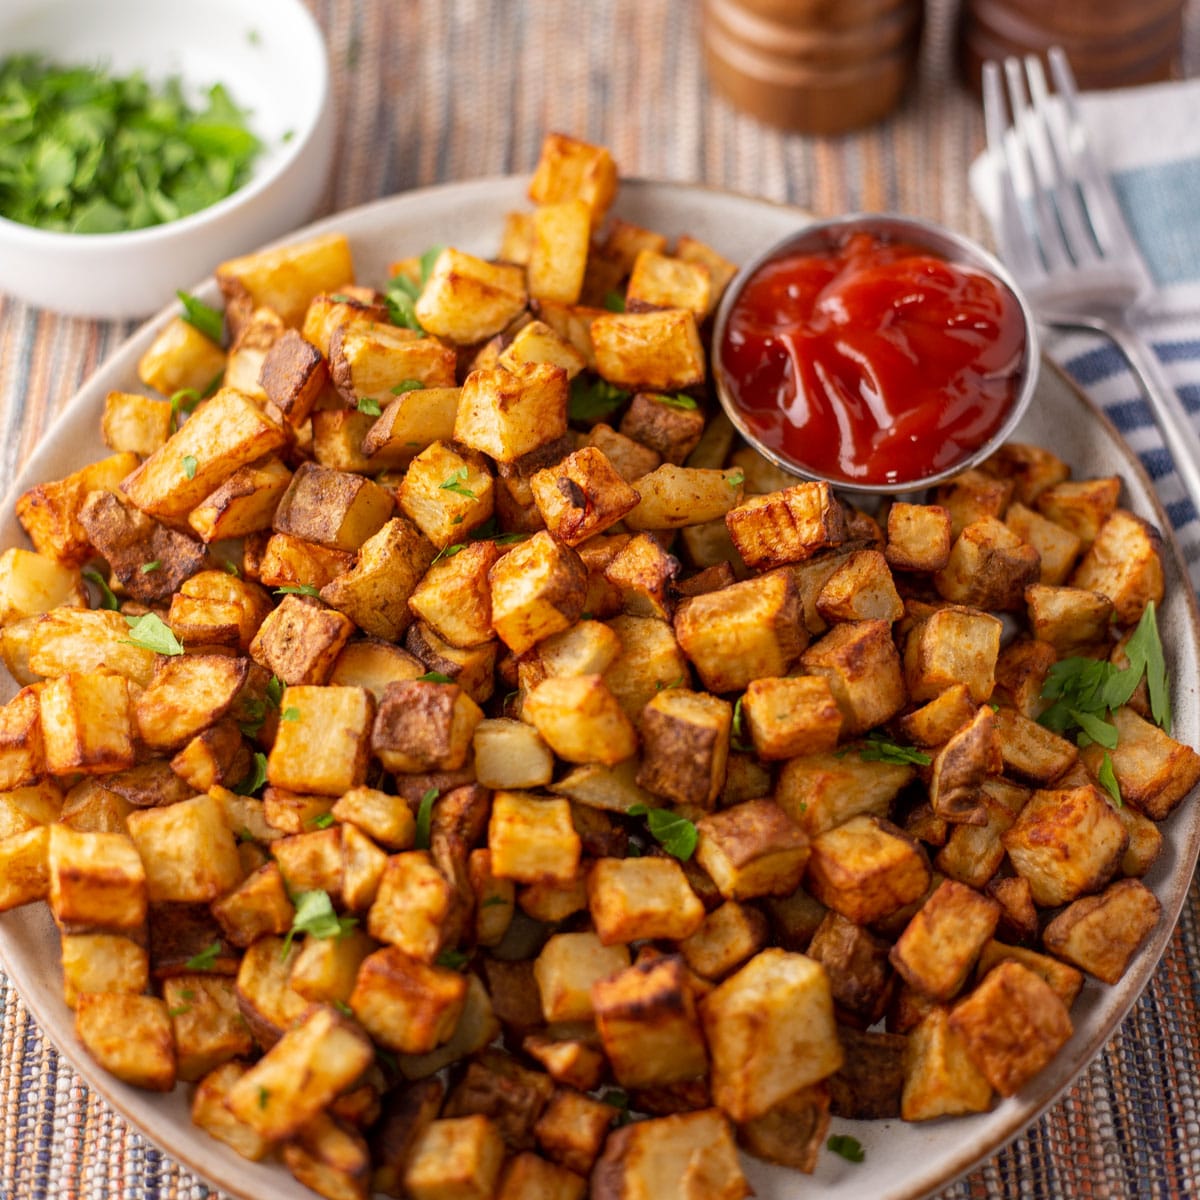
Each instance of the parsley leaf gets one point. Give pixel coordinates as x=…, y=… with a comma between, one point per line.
x=148, y=567
x=274, y=691
x=850, y=1148
x=316, y=918
x=448, y=552
x=205, y=960
x=455, y=483
x=427, y=260
x=434, y=677
x=424, y=817
x=591, y=401
x=614, y=302
x=256, y=778
x=736, y=478
x=739, y=740
x=368, y=406
x=1145, y=652
x=321, y=821
x=1108, y=780
x=407, y=385
x=878, y=748
x=677, y=835
x=1096, y=729
x=189, y=465
x=183, y=401
x=677, y=401
x=291, y=713
x=492, y=901
x=230, y=568
x=208, y=320
x=297, y=589
x=151, y=632
x=400, y=296
x=108, y=597
x=454, y=960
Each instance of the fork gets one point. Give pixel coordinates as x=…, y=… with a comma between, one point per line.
x=1068, y=246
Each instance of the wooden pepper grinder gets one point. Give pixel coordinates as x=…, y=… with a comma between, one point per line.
x=1110, y=43
x=812, y=66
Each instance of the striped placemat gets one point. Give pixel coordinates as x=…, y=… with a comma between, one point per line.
x=431, y=91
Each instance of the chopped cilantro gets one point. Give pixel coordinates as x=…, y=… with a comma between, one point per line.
x=407, y=385
x=736, y=478
x=291, y=713
x=456, y=482
x=316, y=918
x=677, y=835
x=189, y=465
x=256, y=778
x=878, y=748
x=590, y=401
x=850, y=1148
x=614, y=302
x=1108, y=780
x=453, y=960
x=321, y=821
x=369, y=406
x=155, y=565
x=677, y=401
x=434, y=677
x=151, y=632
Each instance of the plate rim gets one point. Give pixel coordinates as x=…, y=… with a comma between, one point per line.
x=950, y=1167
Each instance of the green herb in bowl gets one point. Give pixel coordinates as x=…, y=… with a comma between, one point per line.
x=83, y=151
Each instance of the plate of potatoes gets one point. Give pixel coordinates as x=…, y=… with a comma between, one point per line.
x=440, y=759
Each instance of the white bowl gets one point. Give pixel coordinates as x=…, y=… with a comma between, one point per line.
x=270, y=57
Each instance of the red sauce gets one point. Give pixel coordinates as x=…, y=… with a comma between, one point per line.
x=872, y=362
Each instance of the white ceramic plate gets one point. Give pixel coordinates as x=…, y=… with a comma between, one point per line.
x=902, y=1161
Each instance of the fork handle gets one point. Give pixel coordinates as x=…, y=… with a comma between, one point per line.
x=1170, y=416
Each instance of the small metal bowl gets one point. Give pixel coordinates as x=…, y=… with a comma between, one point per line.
x=825, y=235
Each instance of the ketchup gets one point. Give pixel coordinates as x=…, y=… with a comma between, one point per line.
x=874, y=361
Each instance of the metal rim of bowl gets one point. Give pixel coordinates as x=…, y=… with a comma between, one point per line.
x=928, y=235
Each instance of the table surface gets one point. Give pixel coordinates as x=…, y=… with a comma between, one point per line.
x=431, y=91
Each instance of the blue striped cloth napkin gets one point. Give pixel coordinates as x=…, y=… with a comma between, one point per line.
x=1149, y=140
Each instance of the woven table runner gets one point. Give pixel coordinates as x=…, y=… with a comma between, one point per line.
x=432, y=91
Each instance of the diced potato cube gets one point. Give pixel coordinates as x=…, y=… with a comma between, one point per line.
x=866, y=869
x=951, y=646
x=223, y=434
x=1064, y=980
x=918, y=537
x=1066, y=842
x=24, y=867
x=989, y=567
x=1012, y=1024
x=527, y=1175
x=293, y=375
x=287, y=278
x=455, y=1158
x=561, y=234
x=1080, y=505
x=300, y=640
x=189, y=851
x=325, y=749
x=446, y=493
x=25, y=808
x=751, y=850
x=674, y=497
x=791, y=716
x=1153, y=771
x=819, y=791
x=207, y=1026
x=1057, y=546
x=188, y=694
x=87, y=723
x=582, y=495
x=660, y=281
x=567, y=967
x=406, y=1005
x=129, y=1036
x=770, y=1031
x=729, y=936
x=454, y=597
x=310, y=1065
x=532, y=839
x=787, y=526
x=466, y=299
x=940, y=1080
x=537, y=342
x=335, y=509
x=413, y=906
x=31, y=584
x=258, y=906
x=631, y=898
x=288, y=561
x=742, y=632
x=424, y=726
x=210, y=1113
x=569, y=169
x=538, y=588
x=1124, y=563
x=368, y=361
x=656, y=351
x=685, y=746
x=1102, y=933
x=180, y=357
x=385, y=819
x=22, y=743
x=860, y=589
x=862, y=665
x=1031, y=468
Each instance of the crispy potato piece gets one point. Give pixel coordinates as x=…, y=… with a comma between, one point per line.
x=856, y=962
x=673, y=497
x=87, y=722
x=770, y=1031
x=413, y=907
x=187, y=695
x=325, y=748
x=1071, y=619
x=940, y=1080
x=641, y=897
x=918, y=537
x=188, y=849
x=582, y=495
x=293, y=562
x=22, y=742
x=293, y=375
x=558, y=252
x=572, y=169
x=660, y=281
x=129, y=1036
x=648, y=1023
x=730, y=935
x=287, y=278
x=787, y=717
x=180, y=357
x=532, y=839
x=1031, y=752
x=1031, y=468
x=538, y=589
x=368, y=361
x=951, y=646
x=373, y=664
x=866, y=869
x=685, y=743
x=411, y=421
x=1066, y=842
x=1057, y=546
x=31, y=584
x=24, y=868
x=1102, y=933
x=300, y=640
x=973, y=494
x=405, y=1005
x=466, y=299
x=860, y=661
x=567, y=967
x=752, y=849
x=1080, y=506
x=961, y=767
x=656, y=351
x=225, y=433
x=424, y=726
x=459, y=1157
x=335, y=509
x=820, y=791
x=1012, y=1025
x=989, y=567
x=671, y=426
x=860, y=589
x=447, y=492
x=580, y=719
x=787, y=526
x=743, y=632
x=1124, y=563
x=1065, y=981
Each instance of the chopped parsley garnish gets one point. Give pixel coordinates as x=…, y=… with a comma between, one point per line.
x=189, y=465
x=492, y=901
x=736, y=478
x=456, y=483
x=155, y=565
x=434, y=677
x=230, y=568
x=291, y=713
x=208, y=320
x=407, y=385
x=316, y=918
x=183, y=401
x=108, y=598
x=590, y=401
x=448, y=552
x=677, y=835
x=321, y=821
x=424, y=817
x=205, y=960
x=850, y=1148
x=739, y=740
x=1108, y=780
x=256, y=778
x=86, y=150
x=453, y=960
x=297, y=589
x=878, y=748
x=677, y=401
x=151, y=632
x=369, y=406
x=614, y=302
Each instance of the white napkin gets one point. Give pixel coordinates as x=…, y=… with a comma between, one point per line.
x=1148, y=138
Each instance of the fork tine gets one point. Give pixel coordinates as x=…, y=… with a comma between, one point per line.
x=1014, y=238
x=1049, y=232
x=1059, y=179
x=1103, y=212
